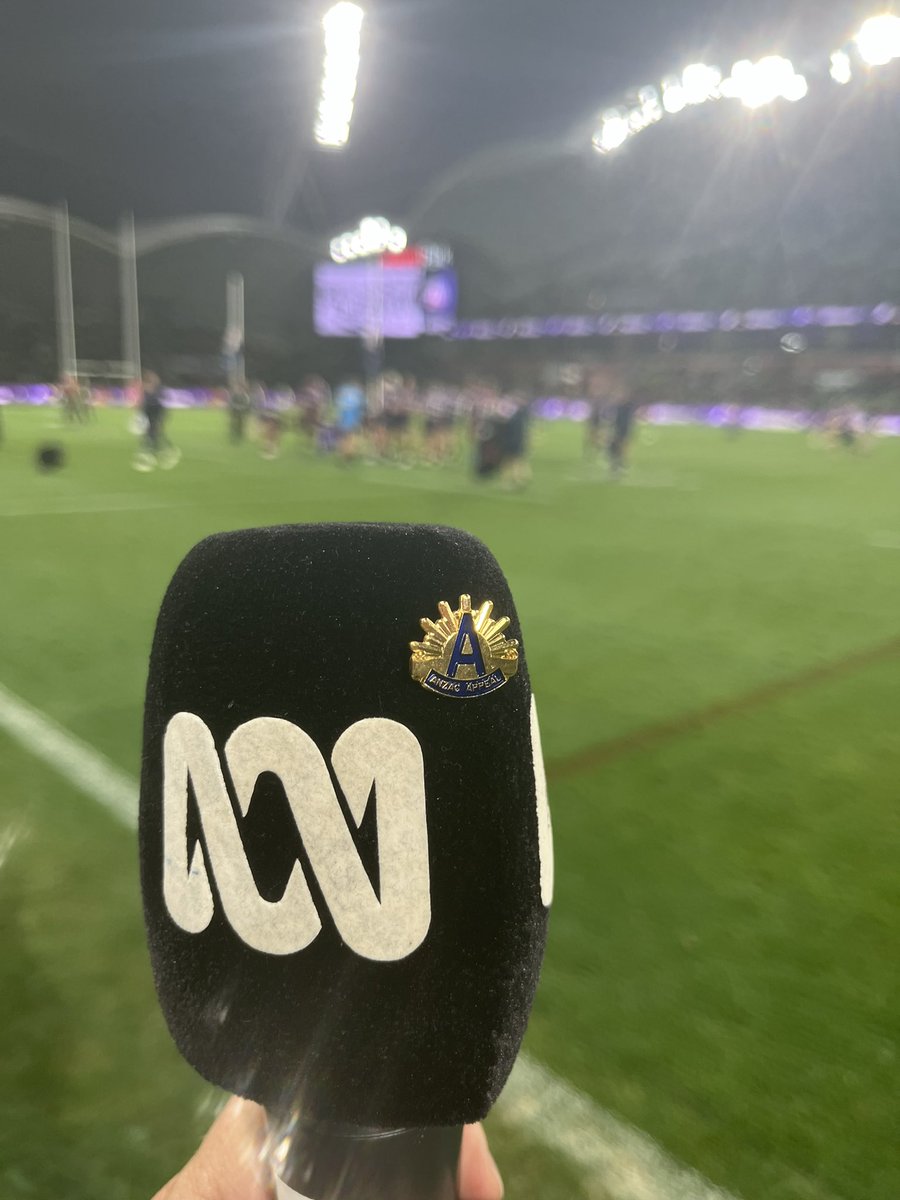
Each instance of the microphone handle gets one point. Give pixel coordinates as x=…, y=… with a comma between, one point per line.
x=329, y=1162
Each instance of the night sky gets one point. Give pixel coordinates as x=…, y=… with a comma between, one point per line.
x=177, y=106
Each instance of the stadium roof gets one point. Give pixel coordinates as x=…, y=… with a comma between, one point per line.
x=717, y=207
x=189, y=106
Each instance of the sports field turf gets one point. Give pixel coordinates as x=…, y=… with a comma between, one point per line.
x=715, y=647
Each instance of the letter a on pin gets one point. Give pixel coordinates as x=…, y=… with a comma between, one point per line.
x=466, y=653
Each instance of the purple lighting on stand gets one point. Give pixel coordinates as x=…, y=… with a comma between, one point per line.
x=634, y=324
x=640, y=324
x=803, y=317
x=765, y=318
x=607, y=326
x=27, y=393
x=579, y=326
x=772, y=420
x=696, y=322
x=884, y=314
x=835, y=316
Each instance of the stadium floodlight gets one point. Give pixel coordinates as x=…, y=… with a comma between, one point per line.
x=841, y=68
x=343, y=30
x=673, y=96
x=878, y=40
x=754, y=84
x=759, y=83
x=614, y=131
x=795, y=88
x=700, y=83
x=650, y=105
x=375, y=235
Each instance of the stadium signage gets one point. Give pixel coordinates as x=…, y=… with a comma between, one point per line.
x=373, y=755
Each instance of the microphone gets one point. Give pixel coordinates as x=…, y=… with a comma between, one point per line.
x=345, y=842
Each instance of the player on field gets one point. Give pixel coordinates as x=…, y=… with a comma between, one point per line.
x=158, y=450
x=439, y=407
x=313, y=401
x=624, y=417
x=516, y=467
x=239, y=407
x=350, y=402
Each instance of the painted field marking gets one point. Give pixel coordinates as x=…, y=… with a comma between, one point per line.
x=111, y=504
x=646, y=736
x=641, y=479
x=623, y=1161
x=885, y=541
x=79, y=763
x=464, y=490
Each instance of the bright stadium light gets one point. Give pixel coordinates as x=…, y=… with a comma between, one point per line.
x=759, y=83
x=841, y=68
x=754, y=84
x=614, y=131
x=673, y=97
x=700, y=83
x=343, y=31
x=650, y=105
x=374, y=236
x=796, y=88
x=878, y=40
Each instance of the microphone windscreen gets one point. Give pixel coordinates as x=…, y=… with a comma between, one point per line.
x=343, y=814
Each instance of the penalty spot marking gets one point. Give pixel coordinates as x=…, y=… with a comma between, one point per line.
x=626, y=1163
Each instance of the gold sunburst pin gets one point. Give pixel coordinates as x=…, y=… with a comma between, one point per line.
x=466, y=654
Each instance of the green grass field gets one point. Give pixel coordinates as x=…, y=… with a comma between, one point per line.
x=723, y=963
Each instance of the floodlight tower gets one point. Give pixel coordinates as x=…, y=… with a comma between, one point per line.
x=343, y=33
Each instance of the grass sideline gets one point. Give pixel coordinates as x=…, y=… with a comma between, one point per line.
x=723, y=949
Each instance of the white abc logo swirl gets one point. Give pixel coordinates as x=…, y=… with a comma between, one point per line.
x=375, y=752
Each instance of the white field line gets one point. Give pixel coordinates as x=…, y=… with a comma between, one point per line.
x=647, y=481
x=77, y=762
x=465, y=490
x=101, y=505
x=885, y=541
x=617, y=1159
x=623, y=1162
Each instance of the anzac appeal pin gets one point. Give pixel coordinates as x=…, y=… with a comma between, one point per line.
x=465, y=654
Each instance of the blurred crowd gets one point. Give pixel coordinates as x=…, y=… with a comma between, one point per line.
x=401, y=421
x=394, y=420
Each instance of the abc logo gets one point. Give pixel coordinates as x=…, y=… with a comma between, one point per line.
x=375, y=753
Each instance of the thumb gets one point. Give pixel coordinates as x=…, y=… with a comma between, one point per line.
x=478, y=1177
x=231, y=1163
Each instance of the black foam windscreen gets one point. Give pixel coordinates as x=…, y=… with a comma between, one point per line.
x=342, y=869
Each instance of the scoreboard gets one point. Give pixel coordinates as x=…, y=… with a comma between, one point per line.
x=406, y=295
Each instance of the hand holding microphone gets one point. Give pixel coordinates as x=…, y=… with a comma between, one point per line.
x=232, y=1163
x=345, y=844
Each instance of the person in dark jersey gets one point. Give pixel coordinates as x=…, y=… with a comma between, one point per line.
x=158, y=450
x=516, y=467
x=239, y=407
x=624, y=417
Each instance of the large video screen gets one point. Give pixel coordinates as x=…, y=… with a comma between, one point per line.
x=395, y=297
